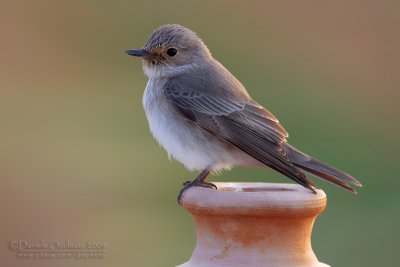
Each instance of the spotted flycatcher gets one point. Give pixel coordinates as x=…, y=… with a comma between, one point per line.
x=204, y=117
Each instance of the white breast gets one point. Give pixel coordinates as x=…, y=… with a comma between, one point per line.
x=183, y=140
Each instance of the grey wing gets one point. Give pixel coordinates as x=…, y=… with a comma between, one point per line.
x=243, y=124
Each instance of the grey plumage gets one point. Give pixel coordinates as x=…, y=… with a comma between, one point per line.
x=217, y=115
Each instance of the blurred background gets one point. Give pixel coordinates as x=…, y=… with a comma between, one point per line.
x=78, y=163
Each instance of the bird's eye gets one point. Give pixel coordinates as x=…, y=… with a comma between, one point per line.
x=172, y=52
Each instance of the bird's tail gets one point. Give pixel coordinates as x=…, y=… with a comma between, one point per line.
x=322, y=170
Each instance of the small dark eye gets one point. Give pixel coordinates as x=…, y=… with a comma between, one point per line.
x=172, y=52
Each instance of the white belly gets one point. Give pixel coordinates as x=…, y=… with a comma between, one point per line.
x=182, y=139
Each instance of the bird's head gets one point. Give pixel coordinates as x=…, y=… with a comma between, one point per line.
x=170, y=50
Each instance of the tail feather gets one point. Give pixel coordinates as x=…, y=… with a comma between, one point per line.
x=322, y=170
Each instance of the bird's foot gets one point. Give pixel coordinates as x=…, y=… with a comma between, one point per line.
x=189, y=184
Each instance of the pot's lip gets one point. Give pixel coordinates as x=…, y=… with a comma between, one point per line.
x=257, y=187
x=254, y=197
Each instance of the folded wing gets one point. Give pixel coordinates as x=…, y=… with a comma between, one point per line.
x=241, y=123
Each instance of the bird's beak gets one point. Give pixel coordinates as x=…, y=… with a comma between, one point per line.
x=138, y=53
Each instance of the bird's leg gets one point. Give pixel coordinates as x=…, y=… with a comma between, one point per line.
x=199, y=181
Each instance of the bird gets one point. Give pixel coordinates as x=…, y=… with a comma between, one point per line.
x=205, y=119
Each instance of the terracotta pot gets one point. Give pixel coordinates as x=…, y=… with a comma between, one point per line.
x=253, y=224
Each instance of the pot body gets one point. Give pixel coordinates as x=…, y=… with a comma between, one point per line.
x=253, y=224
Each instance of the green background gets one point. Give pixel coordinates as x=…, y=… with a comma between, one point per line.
x=77, y=161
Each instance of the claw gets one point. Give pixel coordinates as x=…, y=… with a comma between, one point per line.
x=199, y=181
x=208, y=185
x=189, y=184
